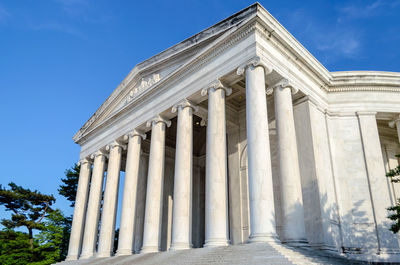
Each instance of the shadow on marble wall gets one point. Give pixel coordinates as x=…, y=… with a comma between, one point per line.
x=355, y=232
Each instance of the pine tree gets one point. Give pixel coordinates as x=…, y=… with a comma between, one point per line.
x=68, y=189
x=15, y=248
x=53, y=239
x=28, y=208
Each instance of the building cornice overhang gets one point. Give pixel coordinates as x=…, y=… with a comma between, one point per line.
x=364, y=81
x=274, y=30
x=222, y=36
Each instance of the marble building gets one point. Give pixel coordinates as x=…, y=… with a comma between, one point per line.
x=239, y=135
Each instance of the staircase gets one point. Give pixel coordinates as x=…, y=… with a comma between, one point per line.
x=256, y=253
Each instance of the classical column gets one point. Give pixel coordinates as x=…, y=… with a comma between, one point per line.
x=94, y=203
x=396, y=123
x=379, y=192
x=182, y=207
x=262, y=209
x=155, y=180
x=78, y=222
x=216, y=211
x=128, y=216
x=293, y=228
x=109, y=212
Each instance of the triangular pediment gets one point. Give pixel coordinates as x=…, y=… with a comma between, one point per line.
x=149, y=73
x=167, y=67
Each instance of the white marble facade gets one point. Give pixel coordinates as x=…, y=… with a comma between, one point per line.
x=238, y=134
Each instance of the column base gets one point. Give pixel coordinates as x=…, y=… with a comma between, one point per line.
x=149, y=249
x=71, y=257
x=216, y=243
x=180, y=246
x=263, y=238
x=104, y=255
x=124, y=252
x=296, y=243
x=86, y=256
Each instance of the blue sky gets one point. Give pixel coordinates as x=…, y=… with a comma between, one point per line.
x=60, y=59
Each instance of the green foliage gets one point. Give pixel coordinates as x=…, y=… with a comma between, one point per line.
x=53, y=240
x=28, y=208
x=394, y=175
x=68, y=189
x=32, y=210
x=15, y=248
x=395, y=227
x=49, y=246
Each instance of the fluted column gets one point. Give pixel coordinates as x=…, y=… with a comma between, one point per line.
x=262, y=209
x=216, y=221
x=293, y=228
x=109, y=213
x=396, y=123
x=155, y=180
x=182, y=208
x=127, y=227
x=78, y=222
x=93, y=208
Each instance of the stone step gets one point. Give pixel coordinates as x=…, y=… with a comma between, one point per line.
x=256, y=253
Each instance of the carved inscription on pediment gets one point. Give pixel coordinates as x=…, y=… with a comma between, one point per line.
x=144, y=84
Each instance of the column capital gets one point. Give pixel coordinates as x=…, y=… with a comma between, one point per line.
x=281, y=84
x=85, y=160
x=134, y=133
x=183, y=104
x=156, y=120
x=110, y=146
x=98, y=153
x=253, y=62
x=392, y=123
x=215, y=85
x=203, y=114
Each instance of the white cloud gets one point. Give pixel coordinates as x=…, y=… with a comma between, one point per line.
x=334, y=41
x=345, y=43
x=376, y=8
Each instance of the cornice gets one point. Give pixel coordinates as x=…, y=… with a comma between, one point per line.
x=273, y=31
x=365, y=81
